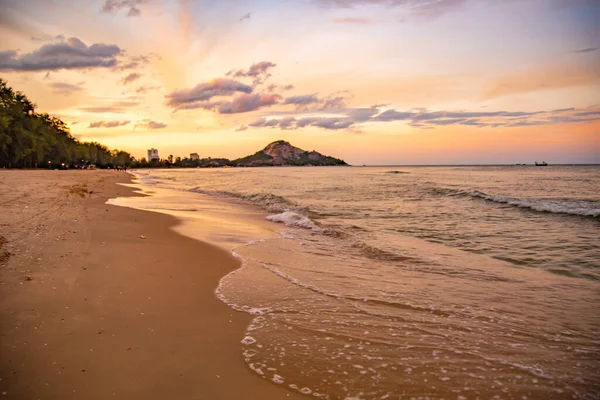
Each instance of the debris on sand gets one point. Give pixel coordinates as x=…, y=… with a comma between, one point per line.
x=4, y=254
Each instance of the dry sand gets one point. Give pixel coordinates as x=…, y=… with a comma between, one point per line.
x=99, y=301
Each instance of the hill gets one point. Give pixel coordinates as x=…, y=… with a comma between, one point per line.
x=281, y=153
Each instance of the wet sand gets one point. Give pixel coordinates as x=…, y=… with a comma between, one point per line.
x=99, y=301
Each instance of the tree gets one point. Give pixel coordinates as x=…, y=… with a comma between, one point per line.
x=29, y=139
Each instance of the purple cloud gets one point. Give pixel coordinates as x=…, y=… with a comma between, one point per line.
x=65, y=89
x=423, y=119
x=70, y=54
x=197, y=96
x=150, y=125
x=108, y=124
x=132, y=77
x=114, y=6
x=258, y=71
x=248, y=102
x=146, y=89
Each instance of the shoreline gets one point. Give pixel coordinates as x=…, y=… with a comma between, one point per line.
x=107, y=301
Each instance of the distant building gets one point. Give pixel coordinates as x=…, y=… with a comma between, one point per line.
x=153, y=154
x=194, y=156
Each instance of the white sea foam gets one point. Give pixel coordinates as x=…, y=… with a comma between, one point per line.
x=291, y=218
x=223, y=280
x=546, y=205
x=248, y=340
x=268, y=201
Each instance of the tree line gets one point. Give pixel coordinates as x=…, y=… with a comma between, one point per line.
x=29, y=139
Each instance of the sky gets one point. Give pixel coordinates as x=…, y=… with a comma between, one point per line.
x=374, y=82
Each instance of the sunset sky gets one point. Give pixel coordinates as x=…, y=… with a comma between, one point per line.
x=369, y=81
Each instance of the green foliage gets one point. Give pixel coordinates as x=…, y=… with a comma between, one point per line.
x=29, y=139
x=258, y=158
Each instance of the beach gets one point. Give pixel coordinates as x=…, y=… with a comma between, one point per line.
x=99, y=301
x=399, y=282
x=269, y=283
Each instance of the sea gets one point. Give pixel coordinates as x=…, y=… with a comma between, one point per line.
x=456, y=282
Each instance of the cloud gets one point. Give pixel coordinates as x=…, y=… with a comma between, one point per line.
x=287, y=122
x=258, y=71
x=332, y=123
x=48, y=38
x=150, y=125
x=435, y=8
x=134, y=76
x=242, y=97
x=102, y=109
x=356, y=21
x=265, y=122
x=332, y=103
x=303, y=100
x=424, y=119
x=447, y=121
x=307, y=102
x=393, y=115
x=284, y=88
x=248, y=102
x=114, y=6
x=418, y=8
x=258, y=123
x=595, y=113
x=108, y=124
x=70, y=54
x=116, y=107
x=586, y=50
x=65, y=89
x=283, y=123
x=134, y=62
x=363, y=114
x=197, y=96
x=254, y=70
x=146, y=89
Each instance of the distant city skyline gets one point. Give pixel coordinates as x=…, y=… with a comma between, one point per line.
x=370, y=81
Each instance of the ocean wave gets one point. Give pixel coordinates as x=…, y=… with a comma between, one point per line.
x=446, y=192
x=256, y=311
x=558, y=206
x=268, y=201
x=291, y=218
x=285, y=211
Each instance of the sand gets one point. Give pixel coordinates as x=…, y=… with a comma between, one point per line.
x=99, y=301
